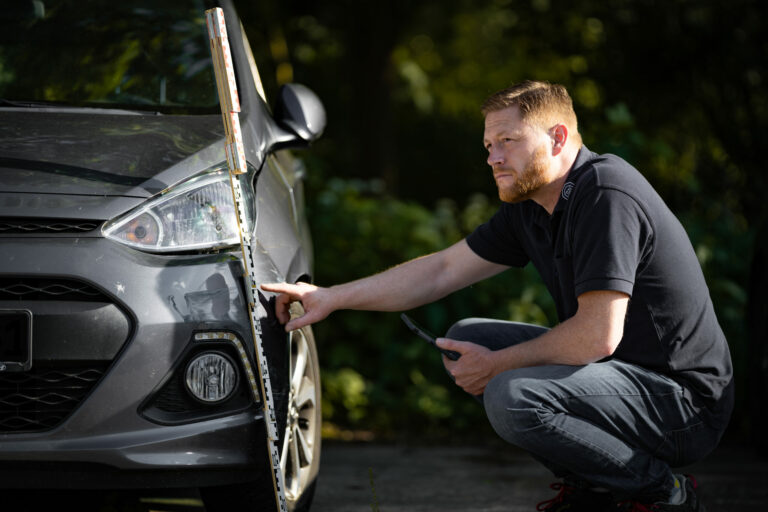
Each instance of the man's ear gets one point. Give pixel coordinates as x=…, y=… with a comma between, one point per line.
x=559, y=134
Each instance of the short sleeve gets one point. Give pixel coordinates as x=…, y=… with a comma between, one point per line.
x=496, y=240
x=611, y=239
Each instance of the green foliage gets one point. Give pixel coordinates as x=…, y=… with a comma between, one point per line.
x=347, y=388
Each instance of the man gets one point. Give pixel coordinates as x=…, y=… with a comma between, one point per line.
x=636, y=378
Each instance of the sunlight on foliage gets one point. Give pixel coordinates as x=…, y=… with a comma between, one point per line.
x=431, y=399
x=346, y=388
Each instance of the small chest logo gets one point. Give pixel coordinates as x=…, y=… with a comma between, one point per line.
x=567, y=189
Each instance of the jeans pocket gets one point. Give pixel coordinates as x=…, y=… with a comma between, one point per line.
x=687, y=445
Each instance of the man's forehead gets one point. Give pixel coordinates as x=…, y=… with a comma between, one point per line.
x=506, y=120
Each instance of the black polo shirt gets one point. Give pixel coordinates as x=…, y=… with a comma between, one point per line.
x=610, y=230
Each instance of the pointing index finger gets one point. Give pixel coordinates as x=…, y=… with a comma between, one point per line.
x=276, y=287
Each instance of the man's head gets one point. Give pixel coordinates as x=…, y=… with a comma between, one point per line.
x=541, y=104
x=532, y=138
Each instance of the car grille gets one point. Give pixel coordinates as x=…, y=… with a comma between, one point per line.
x=60, y=379
x=41, y=398
x=23, y=226
x=47, y=289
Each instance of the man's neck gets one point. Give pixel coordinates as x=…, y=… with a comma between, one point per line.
x=548, y=195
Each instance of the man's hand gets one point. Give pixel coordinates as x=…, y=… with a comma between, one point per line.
x=474, y=369
x=314, y=300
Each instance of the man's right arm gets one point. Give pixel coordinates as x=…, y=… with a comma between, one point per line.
x=406, y=286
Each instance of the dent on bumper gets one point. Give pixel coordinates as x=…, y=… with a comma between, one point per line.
x=167, y=299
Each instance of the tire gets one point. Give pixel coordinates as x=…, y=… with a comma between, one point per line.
x=301, y=440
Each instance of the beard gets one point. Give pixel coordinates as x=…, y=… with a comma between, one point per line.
x=531, y=179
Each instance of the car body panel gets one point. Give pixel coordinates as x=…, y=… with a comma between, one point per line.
x=146, y=308
x=88, y=153
x=44, y=205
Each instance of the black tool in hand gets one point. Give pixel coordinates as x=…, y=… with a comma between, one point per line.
x=428, y=336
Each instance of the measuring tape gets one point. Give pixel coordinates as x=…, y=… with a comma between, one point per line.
x=230, y=107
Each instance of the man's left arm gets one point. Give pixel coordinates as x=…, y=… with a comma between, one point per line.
x=592, y=334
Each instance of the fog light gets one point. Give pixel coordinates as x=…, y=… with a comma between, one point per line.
x=211, y=377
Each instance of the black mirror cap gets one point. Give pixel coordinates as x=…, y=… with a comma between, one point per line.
x=300, y=110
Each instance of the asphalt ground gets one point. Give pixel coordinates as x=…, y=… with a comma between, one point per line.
x=384, y=478
x=378, y=477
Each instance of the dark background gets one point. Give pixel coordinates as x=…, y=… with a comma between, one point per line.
x=676, y=87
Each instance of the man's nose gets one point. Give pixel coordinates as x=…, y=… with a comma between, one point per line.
x=495, y=157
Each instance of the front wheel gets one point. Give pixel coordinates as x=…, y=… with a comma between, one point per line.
x=300, y=445
x=300, y=454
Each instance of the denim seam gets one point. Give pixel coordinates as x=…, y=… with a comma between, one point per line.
x=594, y=448
x=642, y=395
x=577, y=439
x=645, y=395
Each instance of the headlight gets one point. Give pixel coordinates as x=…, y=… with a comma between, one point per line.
x=197, y=214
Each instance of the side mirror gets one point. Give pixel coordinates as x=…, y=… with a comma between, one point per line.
x=300, y=111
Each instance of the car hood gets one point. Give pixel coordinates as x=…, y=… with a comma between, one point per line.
x=97, y=153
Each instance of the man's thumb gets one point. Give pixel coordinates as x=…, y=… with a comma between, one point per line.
x=449, y=344
x=308, y=318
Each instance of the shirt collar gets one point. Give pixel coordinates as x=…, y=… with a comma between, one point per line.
x=583, y=157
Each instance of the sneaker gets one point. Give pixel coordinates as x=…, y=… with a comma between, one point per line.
x=573, y=498
x=691, y=503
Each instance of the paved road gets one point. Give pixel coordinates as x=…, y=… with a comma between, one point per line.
x=380, y=478
x=356, y=477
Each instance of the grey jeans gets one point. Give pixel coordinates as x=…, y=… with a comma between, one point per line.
x=608, y=424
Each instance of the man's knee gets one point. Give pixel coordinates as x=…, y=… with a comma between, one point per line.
x=513, y=406
x=462, y=330
x=493, y=334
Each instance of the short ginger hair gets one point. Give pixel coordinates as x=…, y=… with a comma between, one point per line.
x=541, y=103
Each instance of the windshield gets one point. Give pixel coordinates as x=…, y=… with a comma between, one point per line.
x=140, y=54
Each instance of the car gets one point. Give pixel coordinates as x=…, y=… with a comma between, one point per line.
x=127, y=355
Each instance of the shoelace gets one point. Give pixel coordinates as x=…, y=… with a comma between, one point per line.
x=565, y=490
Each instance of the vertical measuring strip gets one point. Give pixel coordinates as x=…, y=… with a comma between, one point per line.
x=230, y=107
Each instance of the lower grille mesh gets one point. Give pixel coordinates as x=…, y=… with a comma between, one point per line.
x=15, y=226
x=25, y=288
x=42, y=398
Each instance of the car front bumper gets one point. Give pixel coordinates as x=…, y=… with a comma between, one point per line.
x=162, y=302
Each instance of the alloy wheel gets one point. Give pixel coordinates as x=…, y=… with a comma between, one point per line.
x=299, y=460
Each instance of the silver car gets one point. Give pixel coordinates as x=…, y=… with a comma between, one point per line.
x=126, y=353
